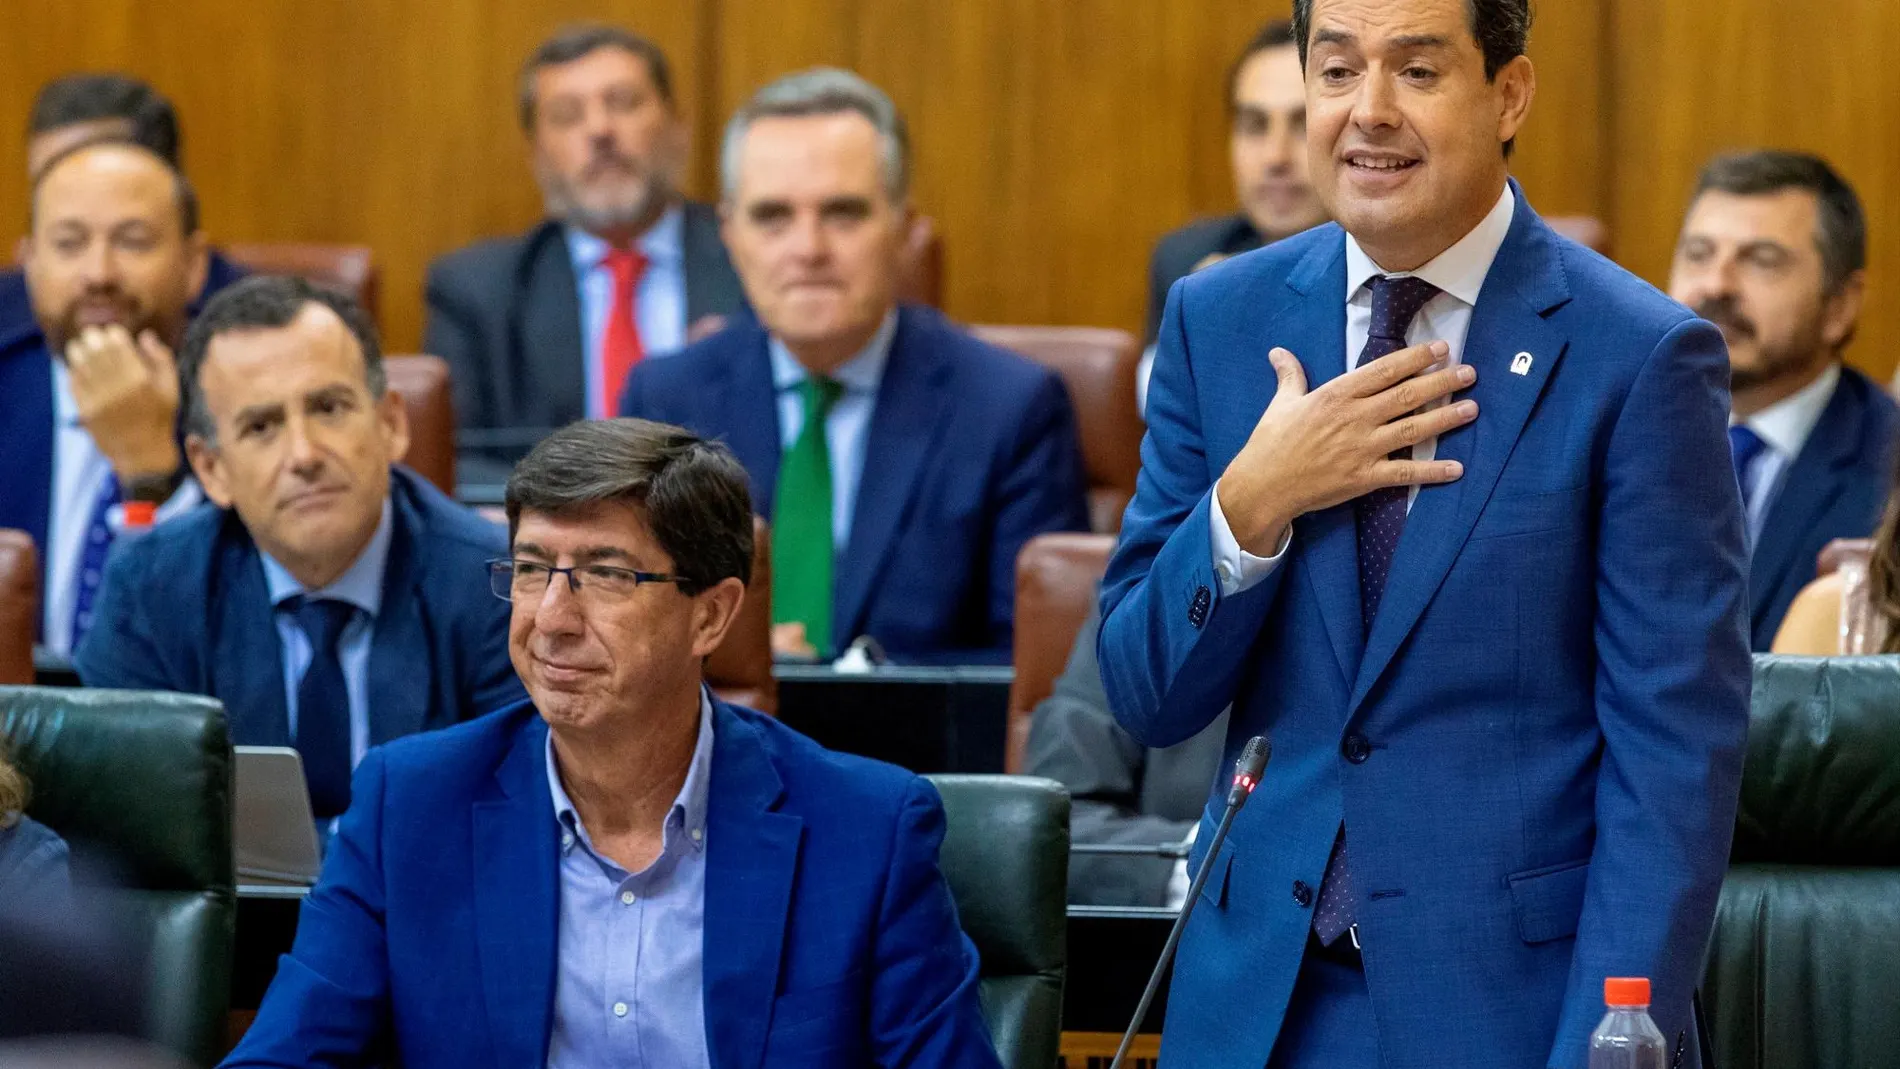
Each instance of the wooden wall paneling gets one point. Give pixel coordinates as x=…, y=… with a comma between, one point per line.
x=1560, y=157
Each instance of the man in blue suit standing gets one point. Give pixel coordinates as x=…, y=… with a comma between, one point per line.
x=1774, y=252
x=623, y=870
x=1498, y=639
x=902, y=462
x=331, y=600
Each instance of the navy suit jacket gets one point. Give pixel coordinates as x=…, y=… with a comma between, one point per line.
x=830, y=935
x=972, y=452
x=1835, y=488
x=184, y=607
x=1537, y=749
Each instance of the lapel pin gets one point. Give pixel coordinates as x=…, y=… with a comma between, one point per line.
x=1521, y=364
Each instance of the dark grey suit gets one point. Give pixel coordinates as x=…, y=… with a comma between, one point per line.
x=506, y=315
x=1179, y=252
x=1123, y=792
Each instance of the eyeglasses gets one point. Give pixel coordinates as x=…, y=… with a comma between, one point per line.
x=511, y=579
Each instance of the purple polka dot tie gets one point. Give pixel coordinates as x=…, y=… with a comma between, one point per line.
x=1379, y=518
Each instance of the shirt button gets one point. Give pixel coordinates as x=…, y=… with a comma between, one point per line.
x=620, y=1009
x=1224, y=573
x=626, y=898
x=698, y=834
x=567, y=841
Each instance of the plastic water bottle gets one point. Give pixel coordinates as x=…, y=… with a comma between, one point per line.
x=1627, y=1038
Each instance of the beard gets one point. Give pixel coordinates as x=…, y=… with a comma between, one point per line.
x=101, y=307
x=1775, y=359
x=599, y=206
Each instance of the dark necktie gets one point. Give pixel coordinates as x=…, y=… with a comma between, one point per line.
x=1380, y=518
x=1747, y=447
x=323, y=706
x=92, y=557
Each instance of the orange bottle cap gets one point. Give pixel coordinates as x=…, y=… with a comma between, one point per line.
x=1626, y=991
x=140, y=513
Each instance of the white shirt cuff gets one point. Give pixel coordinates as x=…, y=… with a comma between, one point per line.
x=1238, y=570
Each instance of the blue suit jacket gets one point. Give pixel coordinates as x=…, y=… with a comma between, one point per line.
x=972, y=452
x=185, y=608
x=1835, y=488
x=830, y=936
x=1545, y=723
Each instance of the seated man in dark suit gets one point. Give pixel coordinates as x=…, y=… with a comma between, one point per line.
x=1774, y=252
x=330, y=600
x=88, y=440
x=1266, y=103
x=1126, y=794
x=903, y=464
x=81, y=108
x=541, y=329
x=624, y=870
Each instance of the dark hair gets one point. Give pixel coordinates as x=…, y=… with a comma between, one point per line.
x=573, y=42
x=692, y=490
x=1275, y=34
x=1840, y=230
x=1501, y=27
x=267, y=302
x=80, y=98
x=182, y=190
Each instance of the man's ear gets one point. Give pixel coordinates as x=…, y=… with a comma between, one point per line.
x=393, y=414
x=1840, y=312
x=714, y=610
x=1517, y=84
x=208, y=466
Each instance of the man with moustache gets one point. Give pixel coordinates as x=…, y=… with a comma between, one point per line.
x=1774, y=252
x=1442, y=504
x=902, y=462
x=331, y=599
x=88, y=424
x=541, y=329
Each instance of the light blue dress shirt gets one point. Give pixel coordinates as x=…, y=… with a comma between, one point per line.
x=847, y=428
x=659, y=305
x=629, y=987
x=361, y=586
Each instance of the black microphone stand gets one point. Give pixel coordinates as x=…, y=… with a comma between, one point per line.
x=1247, y=771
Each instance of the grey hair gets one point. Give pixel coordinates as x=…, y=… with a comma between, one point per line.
x=822, y=91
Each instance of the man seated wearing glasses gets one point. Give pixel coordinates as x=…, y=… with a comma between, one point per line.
x=624, y=870
x=330, y=598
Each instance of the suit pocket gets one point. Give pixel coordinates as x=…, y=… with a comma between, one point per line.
x=1525, y=514
x=1549, y=900
x=1215, y=889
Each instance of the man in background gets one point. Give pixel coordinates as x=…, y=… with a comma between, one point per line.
x=88, y=424
x=78, y=108
x=332, y=600
x=1774, y=252
x=902, y=462
x=541, y=329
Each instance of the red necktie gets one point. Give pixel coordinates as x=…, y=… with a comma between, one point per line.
x=620, y=346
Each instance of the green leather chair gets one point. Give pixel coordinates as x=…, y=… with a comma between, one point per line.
x=1804, y=965
x=1006, y=858
x=142, y=782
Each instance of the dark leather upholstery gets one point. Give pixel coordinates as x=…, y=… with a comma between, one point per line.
x=740, y=670
x=1804, y=966
x=19, y=605
x=1057, y=577
x=429, y=400
x=1006, y=858
x=922, y=265
x=142, y=782
x=1097, y=365
x=1586, y=230
x=350, y=268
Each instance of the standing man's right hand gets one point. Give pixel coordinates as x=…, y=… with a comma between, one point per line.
x=1311, y=451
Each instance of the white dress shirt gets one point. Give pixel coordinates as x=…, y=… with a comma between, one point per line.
x=1784, y=428
x=1459, y=273
x=659, y=301
x=847, y=426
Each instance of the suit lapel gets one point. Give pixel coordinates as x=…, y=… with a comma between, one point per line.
x=751, y=865
x=745, y=403
x=1808, y=491
x=1525, y=283
x=549, y=371
x=400, y=682
x=247, y=641
x=1314, y=326
x=26, y=440
x=517, y=899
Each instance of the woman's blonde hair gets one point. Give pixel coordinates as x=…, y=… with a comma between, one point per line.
x=13, y=790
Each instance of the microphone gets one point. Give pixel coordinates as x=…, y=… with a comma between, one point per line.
x=1247, y=771
x=1165, y=851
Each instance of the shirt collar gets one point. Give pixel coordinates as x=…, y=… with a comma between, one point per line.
x=663, y=243
x=688, y=814
x=860, y=374
x=361, y=585
x=1459, y=270
x=1786, y=424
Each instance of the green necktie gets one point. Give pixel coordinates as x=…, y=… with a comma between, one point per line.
x=802, y=550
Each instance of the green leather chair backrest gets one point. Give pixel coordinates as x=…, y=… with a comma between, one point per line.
x=141, y=783
x=1006, y=858
x=1804, y=966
